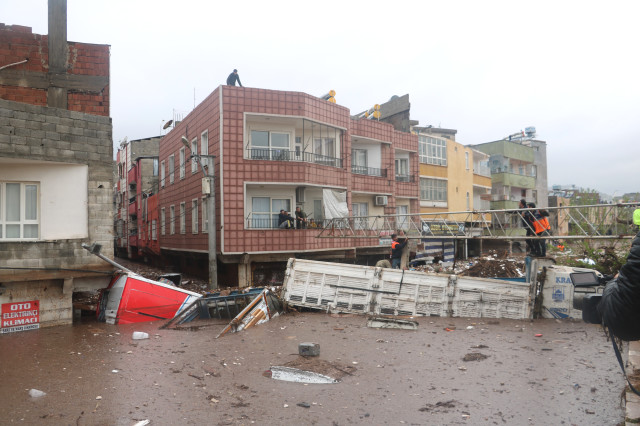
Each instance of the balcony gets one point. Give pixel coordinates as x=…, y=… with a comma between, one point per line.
x=405, y=178
x=514, y=180
x=263, y=221
x=133, y=209
x=286, y=155
x=368, y=171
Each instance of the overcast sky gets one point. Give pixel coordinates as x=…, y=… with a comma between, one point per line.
x=486, y=68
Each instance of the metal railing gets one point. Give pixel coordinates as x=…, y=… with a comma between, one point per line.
x=601, y=221
x=369, y=171
x=405, y=178
x=259, y=221
x=274, y=154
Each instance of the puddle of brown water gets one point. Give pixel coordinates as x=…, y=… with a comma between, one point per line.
x=189, y=377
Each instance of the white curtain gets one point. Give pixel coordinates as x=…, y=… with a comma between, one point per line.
x=335, y=204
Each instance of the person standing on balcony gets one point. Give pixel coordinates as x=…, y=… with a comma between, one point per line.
x=301, y=218
x=233, y=77
x=396, y=251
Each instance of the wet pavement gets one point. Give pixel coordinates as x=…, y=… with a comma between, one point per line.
x=95, y=374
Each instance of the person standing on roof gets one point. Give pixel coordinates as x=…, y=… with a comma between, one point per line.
x=233, y=77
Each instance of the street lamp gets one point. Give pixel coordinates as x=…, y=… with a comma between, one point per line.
x=208, y=189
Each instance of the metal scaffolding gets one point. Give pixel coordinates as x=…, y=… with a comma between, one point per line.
x=598, y=221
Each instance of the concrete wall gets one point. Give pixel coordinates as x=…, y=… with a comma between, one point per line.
x=65, y=140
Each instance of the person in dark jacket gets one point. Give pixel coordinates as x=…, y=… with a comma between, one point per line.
x=527, y=223
x=396, y=251
x=233, y=77
x=620, y=304
x=285, y=221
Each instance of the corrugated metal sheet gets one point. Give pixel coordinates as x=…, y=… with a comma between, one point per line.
x=337, y=287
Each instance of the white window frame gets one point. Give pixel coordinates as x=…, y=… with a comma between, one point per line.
x=320, y=147
x=194, y=216
x=360, y=209
x=433, y=190
x=466, y=159
x=271, y=152
x=172, y=220
x=204, y=148
x=205, y=216
x=162, y=175
x=194, y=152
x=183, y=218
x=183, y=151
x=402, y=167
x=163, y=222
x=154, y=230
x=273, y=214
x=22, y=219
x=172, y=168
x=432, y=150
x=359, y=160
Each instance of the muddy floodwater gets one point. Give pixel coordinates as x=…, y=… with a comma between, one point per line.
x=480, y=372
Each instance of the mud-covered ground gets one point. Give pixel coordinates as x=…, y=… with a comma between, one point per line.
x=482, y=372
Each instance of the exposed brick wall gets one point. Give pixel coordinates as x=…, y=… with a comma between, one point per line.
x=18, y=43
x=53, y=134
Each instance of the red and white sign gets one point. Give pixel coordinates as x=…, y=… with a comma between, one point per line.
x=20, y=316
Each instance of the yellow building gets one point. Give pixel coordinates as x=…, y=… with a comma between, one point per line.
x=453, y=177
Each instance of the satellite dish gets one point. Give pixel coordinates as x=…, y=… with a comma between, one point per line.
x=167, y=124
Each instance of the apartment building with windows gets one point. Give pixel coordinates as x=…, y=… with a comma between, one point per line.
x=136, y=217
x=56, y=172
x=518, y=170
x=453, y=177
x=278, y=150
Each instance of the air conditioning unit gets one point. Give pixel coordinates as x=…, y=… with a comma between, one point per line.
x=300, y=194
x=381, y=200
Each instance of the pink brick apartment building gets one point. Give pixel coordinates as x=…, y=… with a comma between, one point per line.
x=278, y=150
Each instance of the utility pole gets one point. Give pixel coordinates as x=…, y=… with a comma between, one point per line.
x=208, y=189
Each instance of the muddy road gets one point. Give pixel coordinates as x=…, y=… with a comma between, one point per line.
x=496, y=372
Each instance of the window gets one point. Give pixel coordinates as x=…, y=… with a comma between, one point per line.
x=194, y=216
x=162, y=221
x=154, y=224
x=403, y=221
x=182, y=160
x=360, y=209
x=172, y=220
x=183, y=219
x=433, y=189
x=155, y=167
x=468, y=202
x=269, y=145
x=265, y=211
x=162, y=174
x=205, y=217
x=19, y=211
x=466, y=160
x=325, y=147
x=204, y=149
x=172, y=166
x=534, y=170
x=194, y=152
x=402, y=169
x=359, y=161
x=432, y=150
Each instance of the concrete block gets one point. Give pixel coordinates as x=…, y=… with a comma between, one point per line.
x=309, y=349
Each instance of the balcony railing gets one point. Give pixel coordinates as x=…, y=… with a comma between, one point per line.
x=263, y=221
x=405, y=178
x=286, y=155
x=369, y=171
